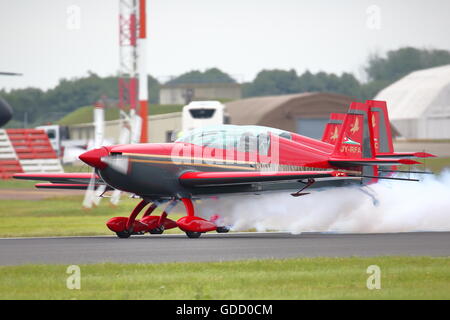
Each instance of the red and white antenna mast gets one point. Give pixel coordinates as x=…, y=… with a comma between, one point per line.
x=133, y=92
x=142, y=68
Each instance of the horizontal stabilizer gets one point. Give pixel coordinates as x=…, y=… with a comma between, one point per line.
x=370, y=162
x=406, y=155
x=387, y=178
x=405, y=171
x=199, y=179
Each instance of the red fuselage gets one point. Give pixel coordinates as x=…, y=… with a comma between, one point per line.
x=153, y=170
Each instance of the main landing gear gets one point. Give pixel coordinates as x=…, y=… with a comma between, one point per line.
x=125, y=227
x=192, y=225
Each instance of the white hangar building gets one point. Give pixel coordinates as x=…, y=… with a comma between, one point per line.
x=419, y=104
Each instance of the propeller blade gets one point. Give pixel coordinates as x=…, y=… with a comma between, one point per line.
x=92, y=196
x=118, y=162
x=90, y=193
x=115, y=197
x=98, y=194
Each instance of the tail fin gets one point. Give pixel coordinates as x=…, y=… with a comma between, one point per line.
x=355, y=139
x=355, y=142
x=381, y=127
x=365, y=141
x=333, y=128
x=366, y=132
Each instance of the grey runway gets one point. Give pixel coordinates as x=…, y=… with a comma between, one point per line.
x=218, y=247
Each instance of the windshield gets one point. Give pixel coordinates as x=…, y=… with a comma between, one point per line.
x=202, y=113
x=243, y=138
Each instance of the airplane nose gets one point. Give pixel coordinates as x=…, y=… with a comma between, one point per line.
x=93, y=157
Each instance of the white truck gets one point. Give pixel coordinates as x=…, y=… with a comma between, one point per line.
x=56, y=134
x=67, y=150
x=203, y=113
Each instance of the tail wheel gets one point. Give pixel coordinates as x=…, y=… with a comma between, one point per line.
x=222, y=229
x=158, y=230
x=123, y=234
x=193, y=235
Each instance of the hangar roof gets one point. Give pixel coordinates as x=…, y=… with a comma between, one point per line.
x=257, y=110
x=423, y=92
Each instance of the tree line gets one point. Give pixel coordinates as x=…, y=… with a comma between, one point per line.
x=36, y=106
x=381, y=71
x=33, y=106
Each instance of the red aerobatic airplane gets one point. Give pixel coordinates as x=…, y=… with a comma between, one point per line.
x=356, y=149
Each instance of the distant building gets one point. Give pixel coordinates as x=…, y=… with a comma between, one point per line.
x=419, y=104
x=160, y=128
x=184, y=93
x=303, y=113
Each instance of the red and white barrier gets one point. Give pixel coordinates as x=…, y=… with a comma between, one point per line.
x=26, y=150
x=9, y=163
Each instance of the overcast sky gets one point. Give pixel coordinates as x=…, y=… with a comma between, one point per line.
x=241, y=37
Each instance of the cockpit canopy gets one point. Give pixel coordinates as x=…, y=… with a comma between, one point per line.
x=241, y=138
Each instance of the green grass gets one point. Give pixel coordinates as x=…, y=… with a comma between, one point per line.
x=16, y=184
x=156, y=109
x=85, y=114
x=305, y=278
x=77, y=168
x=61, y=216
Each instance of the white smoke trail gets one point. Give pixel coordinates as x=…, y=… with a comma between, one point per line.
x=403, y=206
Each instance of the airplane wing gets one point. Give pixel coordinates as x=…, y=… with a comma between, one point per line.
x=203, y=179
x=73, y=181
x=70, y=186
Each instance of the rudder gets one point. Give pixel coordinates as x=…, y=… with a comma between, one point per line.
x=381, y=126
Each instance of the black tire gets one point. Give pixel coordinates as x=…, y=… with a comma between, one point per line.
x=222, y=229
x=193, y=235
x=123, y=234
x=158, y=230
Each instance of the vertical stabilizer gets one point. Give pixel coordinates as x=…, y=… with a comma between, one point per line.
x=355, y=138
x=333, y=128
x=379, y=120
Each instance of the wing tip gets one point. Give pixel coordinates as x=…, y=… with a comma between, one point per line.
x=19, y=176
x=408, y=161
x=424, y=155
